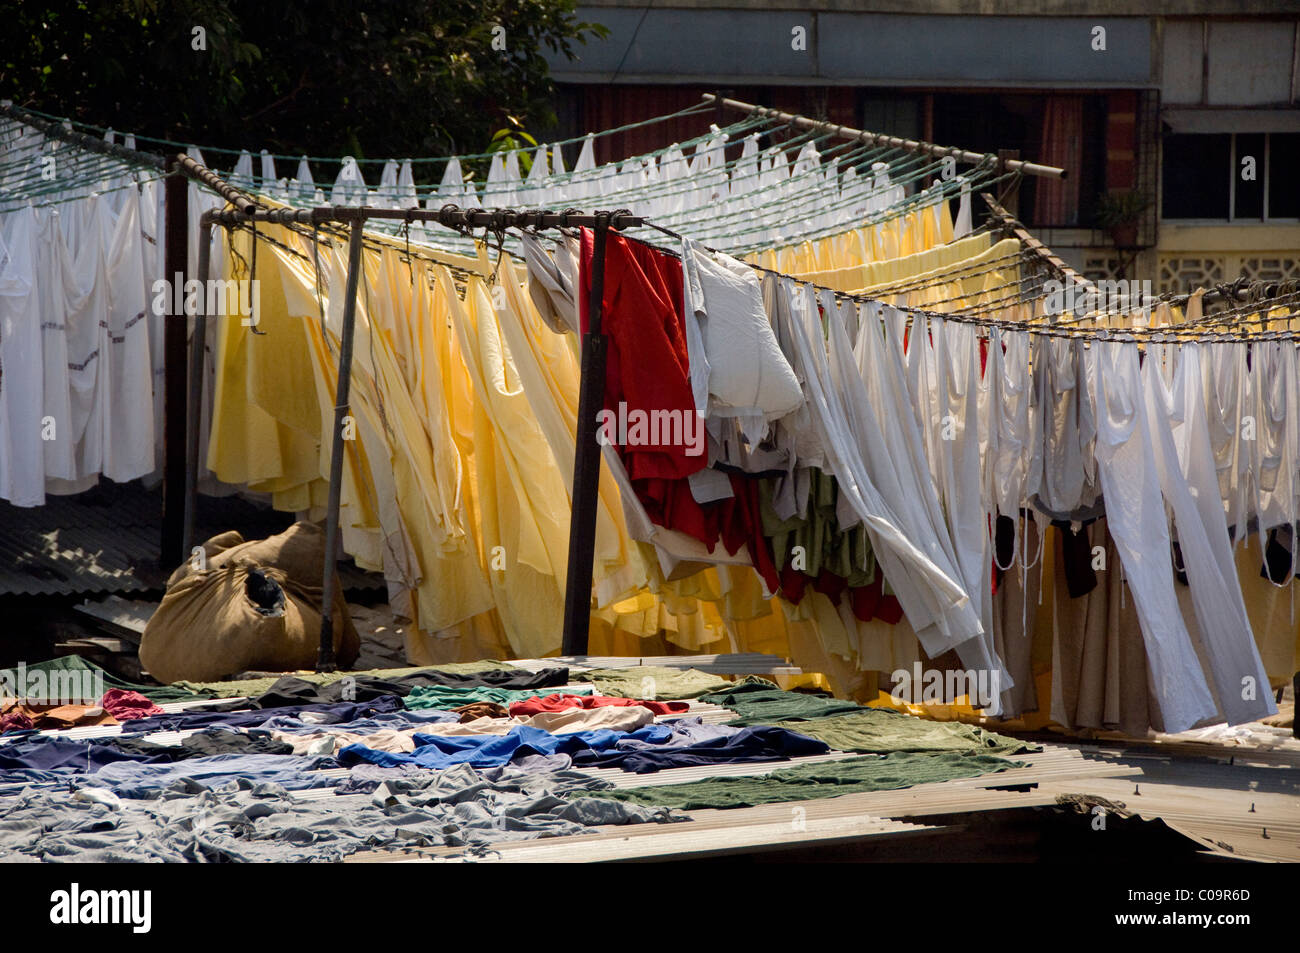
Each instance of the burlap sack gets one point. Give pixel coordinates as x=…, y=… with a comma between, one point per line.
x=256, y=606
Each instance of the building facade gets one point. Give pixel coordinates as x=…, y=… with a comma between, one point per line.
x=1184, y=115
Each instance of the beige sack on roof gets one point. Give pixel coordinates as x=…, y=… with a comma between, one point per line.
x=256, y=606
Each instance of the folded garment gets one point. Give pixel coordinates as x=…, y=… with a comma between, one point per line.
x=127, y=705
x=365, y=777
x=327, y=714
x=560, y=702
x=35, y=680
x=214, y=741
x=649, y=681
x=482, y=751
x=811, y=781
x=16, y=715
x=883, y=730
x=677, y=733
x=757, y=702
x=750, y=745
x=560, y=722
x=328, y=741
x=48, y=753
x=310, y=722
x=89, y=755
x=476, y=710
x=134, y=779
x=437, y=696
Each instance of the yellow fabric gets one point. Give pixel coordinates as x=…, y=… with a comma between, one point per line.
x=459, y=463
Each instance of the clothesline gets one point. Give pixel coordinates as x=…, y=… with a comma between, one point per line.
x=971, y=315
x=1027, y=288
x=696, y=109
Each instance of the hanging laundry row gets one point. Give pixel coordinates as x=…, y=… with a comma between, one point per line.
x=80, y=340
x=740, y=203
x=456, y=484
x=887, y=465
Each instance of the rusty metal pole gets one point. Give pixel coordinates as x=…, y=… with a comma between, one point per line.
x=325, y=661
x=586, y=462
x=175, y=361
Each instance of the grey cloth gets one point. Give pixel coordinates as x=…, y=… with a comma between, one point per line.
x=551, y=284
x=251, y=822
x=365, y=777
x=686, y=731
x=1062, y=477
x=131, y=779
x=390, y=719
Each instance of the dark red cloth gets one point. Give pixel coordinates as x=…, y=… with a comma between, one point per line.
x=868, y=602
x=647, y=370
x=560, y=702
x=647, y=364
x=740, y=521
x=124, y=705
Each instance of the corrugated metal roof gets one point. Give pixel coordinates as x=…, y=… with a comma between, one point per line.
x=106, y=541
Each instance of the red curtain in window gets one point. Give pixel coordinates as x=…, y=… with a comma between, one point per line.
x=1056, y=201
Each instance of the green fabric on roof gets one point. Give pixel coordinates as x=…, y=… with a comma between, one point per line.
x=250, y=687
x=68, y=671
x=813, y=781
x=882, y=730
x=757, y=702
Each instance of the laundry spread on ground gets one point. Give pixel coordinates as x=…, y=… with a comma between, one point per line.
x=446, y=697
x=433, y=756
x=560, y=702
x=290, y=689
x=758, y=702
x=652, y=682
x=808, y=782
x=251, y=687
x=250, y=820
x=883, y=730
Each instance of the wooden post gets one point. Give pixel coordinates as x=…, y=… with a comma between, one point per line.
x=586, y=460
x=175, y=359
x=194, y=424
x=325, y=661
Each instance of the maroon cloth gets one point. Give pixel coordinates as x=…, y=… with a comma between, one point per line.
x=15, y=721
x=124, y=705
x=646, y=368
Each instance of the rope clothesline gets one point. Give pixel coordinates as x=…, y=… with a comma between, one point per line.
x=1021, y=290
x=100, y=171
x=695, y=109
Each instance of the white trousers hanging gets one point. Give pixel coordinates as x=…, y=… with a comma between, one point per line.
x=1180, y=444
x=1135, y=515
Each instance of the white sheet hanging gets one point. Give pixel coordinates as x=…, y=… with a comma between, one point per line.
x=1180, y=443
x=1274, y=453
x=127, y=414
x=957, y=360
x=22, y=454
x=1009, y=397
x=1136, y=519
x=736, y=365
x=932, y=596
x=1061, y=480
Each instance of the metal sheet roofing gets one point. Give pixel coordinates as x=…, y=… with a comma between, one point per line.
x=106, y=540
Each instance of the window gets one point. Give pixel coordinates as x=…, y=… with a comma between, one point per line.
x=1065, y=129
x=1231, y=176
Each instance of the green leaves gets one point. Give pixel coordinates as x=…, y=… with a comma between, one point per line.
x=420, y=77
